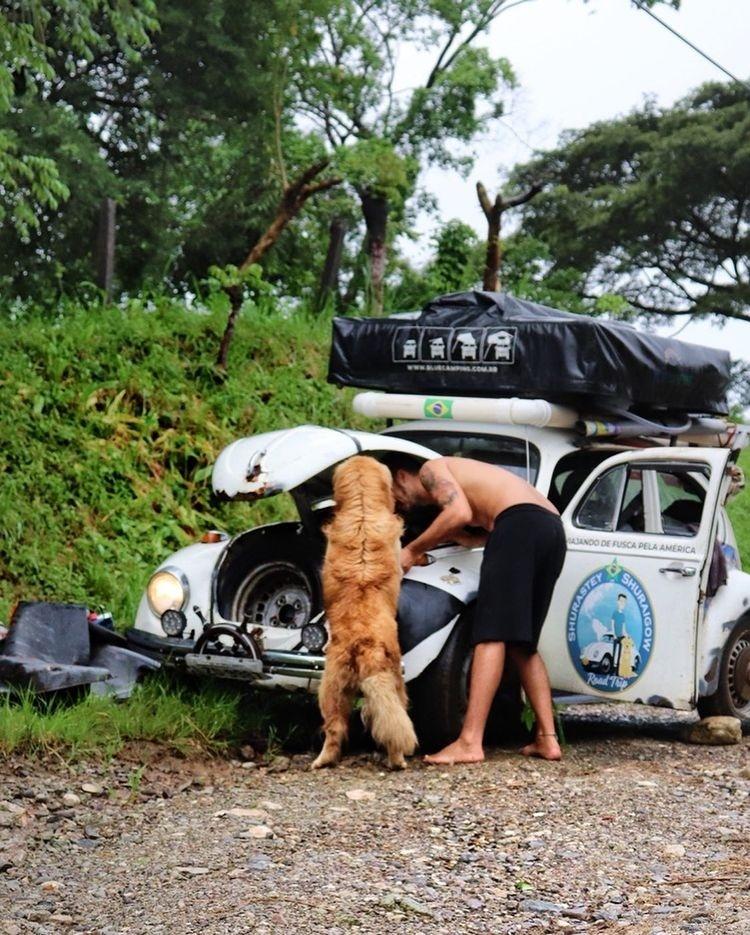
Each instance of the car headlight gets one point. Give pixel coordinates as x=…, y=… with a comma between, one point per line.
x=167, y=590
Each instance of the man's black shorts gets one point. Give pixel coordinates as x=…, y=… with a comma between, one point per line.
x=522, y=560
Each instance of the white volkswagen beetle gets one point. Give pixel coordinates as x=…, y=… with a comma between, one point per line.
x=652, y=571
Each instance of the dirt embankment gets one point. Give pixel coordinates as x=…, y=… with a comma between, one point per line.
x=633, y=832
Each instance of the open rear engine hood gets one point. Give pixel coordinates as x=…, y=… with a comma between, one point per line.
x=276, y=462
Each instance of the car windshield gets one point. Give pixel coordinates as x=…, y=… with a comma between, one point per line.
x=501, y=450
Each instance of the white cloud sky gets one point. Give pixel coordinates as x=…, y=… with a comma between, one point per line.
x=580, y=62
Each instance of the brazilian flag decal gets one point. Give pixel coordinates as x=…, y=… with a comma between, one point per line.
x=438, y=408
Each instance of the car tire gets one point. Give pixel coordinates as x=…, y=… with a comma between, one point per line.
x=281, y=559
x=439, y=695
x=605, y=666
x=732, y=697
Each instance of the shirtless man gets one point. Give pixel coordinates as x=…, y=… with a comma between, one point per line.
x=523, y=556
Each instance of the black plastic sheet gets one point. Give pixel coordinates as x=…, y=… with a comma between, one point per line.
x=52, y=647
x=492, y=344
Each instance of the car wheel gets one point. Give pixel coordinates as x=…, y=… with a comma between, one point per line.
x=605, y=666
x=270, y=577
x=274, y=594
x=440, y=694
x=732, y=697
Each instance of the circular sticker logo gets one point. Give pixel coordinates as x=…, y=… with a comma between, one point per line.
x=610, y=629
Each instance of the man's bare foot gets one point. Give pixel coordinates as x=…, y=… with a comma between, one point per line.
x=545, y=746
x=460, y=751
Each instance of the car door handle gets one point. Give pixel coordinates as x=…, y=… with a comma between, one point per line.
x=678, y=570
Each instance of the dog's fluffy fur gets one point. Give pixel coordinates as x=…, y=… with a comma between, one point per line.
x=361, y=581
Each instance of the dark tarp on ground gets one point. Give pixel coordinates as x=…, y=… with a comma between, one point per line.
x=491, y=344
x=52, y=647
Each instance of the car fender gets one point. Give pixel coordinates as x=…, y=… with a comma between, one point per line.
x=196, y=563
x=431, y=601
x=723, y=610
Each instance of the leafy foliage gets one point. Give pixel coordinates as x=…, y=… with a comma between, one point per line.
x=195, y=124
x=528, y=272
x=110, y=420
x=655, y=206
x=374, y=165
x=456, y=265
x=43, y=42
x=183, y=138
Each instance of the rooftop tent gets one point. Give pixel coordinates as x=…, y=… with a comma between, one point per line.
x=492, y=344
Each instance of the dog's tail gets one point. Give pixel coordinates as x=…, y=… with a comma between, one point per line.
x=384, y=714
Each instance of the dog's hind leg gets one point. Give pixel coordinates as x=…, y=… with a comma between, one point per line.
x=384, y=712
x=335, y=705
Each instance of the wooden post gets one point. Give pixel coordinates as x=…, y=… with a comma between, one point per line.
x=105, y=247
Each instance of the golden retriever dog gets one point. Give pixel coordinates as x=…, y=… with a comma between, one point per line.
x=361, y=581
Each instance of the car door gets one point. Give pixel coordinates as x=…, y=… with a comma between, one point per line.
x=623, y=620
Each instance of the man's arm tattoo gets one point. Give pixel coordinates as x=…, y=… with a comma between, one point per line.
x=442, y=490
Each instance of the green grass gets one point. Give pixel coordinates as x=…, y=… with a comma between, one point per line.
x=204, y=717
x=110, y=421
x=158, y=711
x=739, y=513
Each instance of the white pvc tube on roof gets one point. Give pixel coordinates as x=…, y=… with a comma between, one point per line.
x=513, y=411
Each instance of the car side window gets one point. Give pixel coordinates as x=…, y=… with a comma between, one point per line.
x=631, y=517
x=601, y=505
x=660, y=500
x=681, y=498
x=500, y=450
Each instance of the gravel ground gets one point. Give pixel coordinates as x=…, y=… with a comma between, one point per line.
x=633, y=831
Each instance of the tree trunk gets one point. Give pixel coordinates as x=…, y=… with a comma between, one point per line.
x=491, y=275
x=375, y=210
x=105, y=247
x=292, y=201
x=356, y=280
x=493, y=212
x=329, y=278
x=235, y=304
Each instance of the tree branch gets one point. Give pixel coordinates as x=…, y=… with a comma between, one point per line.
x=532, y=192
x=321, y=186
x=437, y=68
x=484, y=200
x=443, y=64
x=277, y=96
x=675, y=312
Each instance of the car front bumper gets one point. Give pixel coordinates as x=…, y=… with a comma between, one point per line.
x=158, y=647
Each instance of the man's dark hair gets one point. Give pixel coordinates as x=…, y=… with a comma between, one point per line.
x=622, y=595
x=397, y=460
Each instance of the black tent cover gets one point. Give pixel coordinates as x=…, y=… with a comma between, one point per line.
x=492, y=344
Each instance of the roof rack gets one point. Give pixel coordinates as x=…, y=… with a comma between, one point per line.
x=693, y=429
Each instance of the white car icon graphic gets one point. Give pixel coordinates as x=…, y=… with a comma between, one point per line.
x=437, y=348
x=410, y=348
x=468, y=344
x=502, y=342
